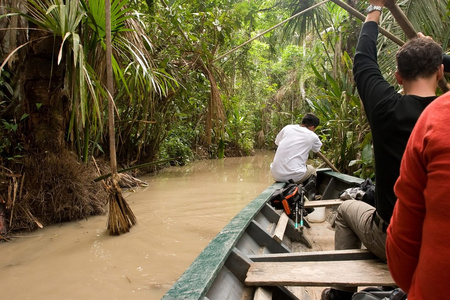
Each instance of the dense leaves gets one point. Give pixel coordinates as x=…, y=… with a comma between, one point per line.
x=176, y=91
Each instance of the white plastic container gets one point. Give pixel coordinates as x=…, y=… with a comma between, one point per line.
x=317, y=216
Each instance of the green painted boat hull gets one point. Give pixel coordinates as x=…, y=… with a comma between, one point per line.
x=219, y=270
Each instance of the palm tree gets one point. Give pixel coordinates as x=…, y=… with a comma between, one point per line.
x=63, y=100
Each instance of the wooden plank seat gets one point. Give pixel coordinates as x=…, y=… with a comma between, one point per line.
x=327, y=255
x=323, y=203
x=343, y=271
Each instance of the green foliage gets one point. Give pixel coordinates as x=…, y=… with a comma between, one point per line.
x=64, y=19
x=6, y=89
x=165, y=62
x=366, y=163
x=140, y=83
x=239, y=128
x=10, y=148
x=96, y=17
x=178, y=144
x=345, y=132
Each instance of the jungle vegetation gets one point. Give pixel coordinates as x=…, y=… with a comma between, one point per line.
x=186, y=86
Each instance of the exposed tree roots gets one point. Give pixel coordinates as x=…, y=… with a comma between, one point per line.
x=51, y=188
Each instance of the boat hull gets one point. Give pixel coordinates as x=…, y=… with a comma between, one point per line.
x=220, y=270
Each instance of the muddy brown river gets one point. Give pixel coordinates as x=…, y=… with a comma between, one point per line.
x=180, y=211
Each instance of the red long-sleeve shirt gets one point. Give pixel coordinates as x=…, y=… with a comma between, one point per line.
x=418, y=237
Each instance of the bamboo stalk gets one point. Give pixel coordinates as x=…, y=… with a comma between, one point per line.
x=362, y=17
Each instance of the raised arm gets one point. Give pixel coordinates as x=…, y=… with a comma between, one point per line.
x=372, y=86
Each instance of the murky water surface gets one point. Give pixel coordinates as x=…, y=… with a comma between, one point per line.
x=180, y=211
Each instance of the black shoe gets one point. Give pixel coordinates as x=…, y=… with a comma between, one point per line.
x=333, y=294
x=398, y=294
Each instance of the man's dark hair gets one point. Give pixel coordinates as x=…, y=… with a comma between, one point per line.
x=419, y=58
x=310, y=120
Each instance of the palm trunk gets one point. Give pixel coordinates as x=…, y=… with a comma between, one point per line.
x=121, y=218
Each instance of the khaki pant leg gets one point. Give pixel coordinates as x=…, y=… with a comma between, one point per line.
x=310, y=170
x=354, y=226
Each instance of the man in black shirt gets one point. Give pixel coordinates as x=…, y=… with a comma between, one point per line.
x=392, y=117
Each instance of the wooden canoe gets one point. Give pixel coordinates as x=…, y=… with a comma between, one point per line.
x=260, y=255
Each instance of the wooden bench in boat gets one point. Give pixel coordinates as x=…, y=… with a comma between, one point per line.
x=351, y=268
x=323, y=203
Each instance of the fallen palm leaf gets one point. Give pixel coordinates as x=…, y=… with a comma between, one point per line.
x=136, y=167
x=121, y=217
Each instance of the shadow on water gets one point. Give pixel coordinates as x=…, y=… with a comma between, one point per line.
x=180, y=211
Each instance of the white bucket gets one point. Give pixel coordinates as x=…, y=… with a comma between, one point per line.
x=317, y=216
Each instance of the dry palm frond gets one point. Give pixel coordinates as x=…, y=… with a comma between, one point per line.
x=120, y=216
x=128, y=181
x=216, y=110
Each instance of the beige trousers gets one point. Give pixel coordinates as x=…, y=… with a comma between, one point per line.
x=354, y=226
x=310, y=170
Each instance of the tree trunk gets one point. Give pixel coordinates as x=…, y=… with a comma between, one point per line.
x=45, y=99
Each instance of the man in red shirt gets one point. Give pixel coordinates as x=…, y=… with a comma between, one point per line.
x=418, y=240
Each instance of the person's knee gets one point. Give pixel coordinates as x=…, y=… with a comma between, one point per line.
x=344, y=207
x=341, y=214
x=347, y=212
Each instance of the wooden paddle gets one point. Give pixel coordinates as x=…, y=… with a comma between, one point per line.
x=327, y=161
x=401, y=18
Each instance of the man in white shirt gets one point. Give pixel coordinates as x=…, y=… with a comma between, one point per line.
x=294, y=144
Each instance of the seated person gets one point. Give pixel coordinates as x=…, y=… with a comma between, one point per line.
x=294, y=144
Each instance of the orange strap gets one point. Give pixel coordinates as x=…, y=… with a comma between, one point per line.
x=286, y=207
x=285, y=202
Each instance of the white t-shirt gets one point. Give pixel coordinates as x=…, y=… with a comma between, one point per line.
x=294, y=143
